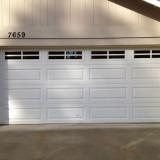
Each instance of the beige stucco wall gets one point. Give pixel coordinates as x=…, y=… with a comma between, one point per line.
x=79, y=22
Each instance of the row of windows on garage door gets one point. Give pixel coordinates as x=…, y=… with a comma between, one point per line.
x=78, y=55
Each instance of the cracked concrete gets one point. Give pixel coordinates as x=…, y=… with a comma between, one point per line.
x=80, y=142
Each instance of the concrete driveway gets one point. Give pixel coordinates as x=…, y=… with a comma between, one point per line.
x=80, y=142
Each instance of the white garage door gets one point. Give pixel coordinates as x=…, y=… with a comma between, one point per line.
x=79, y=86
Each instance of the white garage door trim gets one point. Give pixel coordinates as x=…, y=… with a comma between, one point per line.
x=97, y=87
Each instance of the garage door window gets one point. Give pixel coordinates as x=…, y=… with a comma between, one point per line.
x=116, y=55
x=22, y=55
x=12, y=55
x=141, y=54
x=30, y=55
x=64, y=55
x=107, y=54
x=155, y=53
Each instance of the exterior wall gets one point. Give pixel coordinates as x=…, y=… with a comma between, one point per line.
x=79, y=22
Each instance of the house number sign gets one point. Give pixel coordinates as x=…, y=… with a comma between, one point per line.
x=16, y=34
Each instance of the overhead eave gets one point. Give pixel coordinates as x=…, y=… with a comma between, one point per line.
x=153, y=2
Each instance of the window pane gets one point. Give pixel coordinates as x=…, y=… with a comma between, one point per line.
x=99, y=57
x=99, y=52
x=30, y=53
x=30, y=57
x=156, y=51
x=116, y=52
x=56, y=57
x=13, y=58
x=117, y=57
x=12, y=53
x=141, y=56
x=73, y=55
x=142, y=51
x=56, y=53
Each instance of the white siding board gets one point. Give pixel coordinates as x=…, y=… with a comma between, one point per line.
x=51, y=12
x=29, y=13
x=97, y=12
x=67, y=13
x=120, y=14
x=13, y=13
x=74, y=13
x=112, y=13
x=0, y=13
x=60, y=13
x=44, y=13
x=21, y=12
x=36, y=13
x=89, y=13
x=142, y=20
x=5, y=12
x=135, y=18
x=105, y=13
x=127, y=17
x=82, y=12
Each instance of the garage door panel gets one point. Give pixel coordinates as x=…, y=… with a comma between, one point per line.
x=21, y=114
x=65, y=105
x=146, y=75
x=107, y=74
x=65, y=93
x=146, y=112
x=104, y=93
x=65, y=113
x=146, y=93
x=151, y=112
x=107, y=113
x=65, y=74
x=22, y=74
x=23, y=94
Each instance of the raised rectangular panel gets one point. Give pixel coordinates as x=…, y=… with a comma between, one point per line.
x=151, y=112
x=106, y=73
x=102, y=93
x=22, y=114
x=54, y=113
x=22, y=74
x=74, y=105
x=108, y=113
x=65, y=93
x=64, y=74
x=146, y=93
x=149, y=73
x=23, y=94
